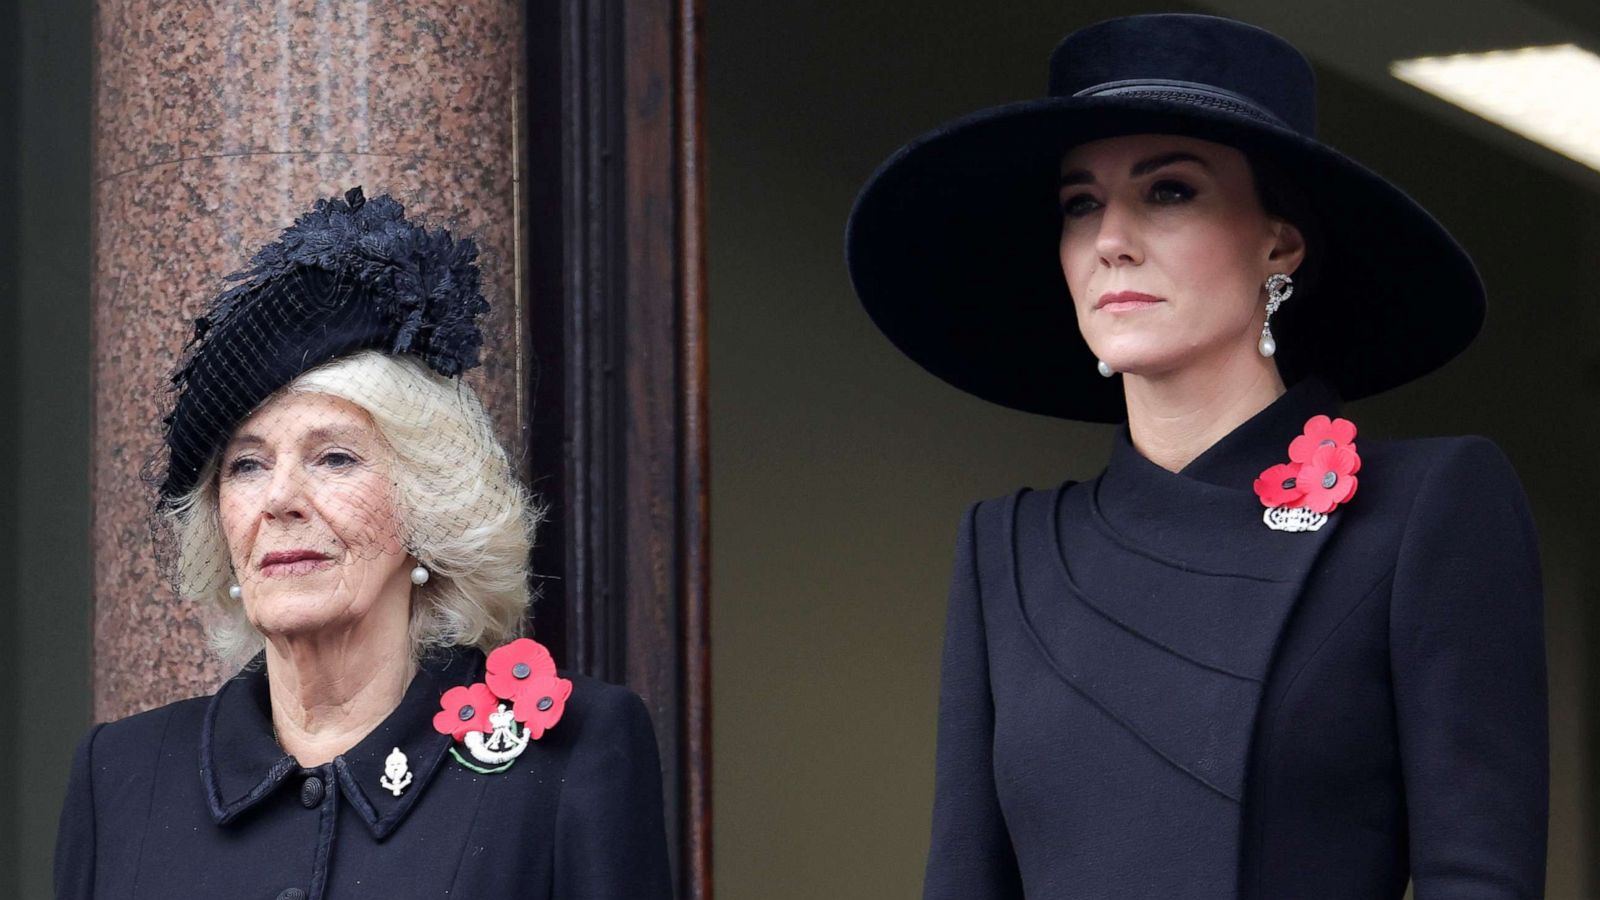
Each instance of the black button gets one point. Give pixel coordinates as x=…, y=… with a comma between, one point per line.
x=292, y=894
x=310, y=796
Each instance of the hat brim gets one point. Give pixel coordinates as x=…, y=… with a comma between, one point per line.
x=952, y=247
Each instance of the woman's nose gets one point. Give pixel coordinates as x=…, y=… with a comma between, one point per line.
x=1117, y=241
x=286, y=496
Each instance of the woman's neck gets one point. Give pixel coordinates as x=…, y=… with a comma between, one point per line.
x=329, y=691
x=1176, y=417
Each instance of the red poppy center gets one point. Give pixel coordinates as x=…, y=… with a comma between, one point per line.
x=520, y=671
x=1329, y=479
x=545, y=703
x=466, y=713
x=1328, y=442
x=1288, y=484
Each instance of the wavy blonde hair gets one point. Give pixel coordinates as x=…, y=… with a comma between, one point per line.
x=463, y=512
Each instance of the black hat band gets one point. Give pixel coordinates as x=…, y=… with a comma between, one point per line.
x=1186, y=91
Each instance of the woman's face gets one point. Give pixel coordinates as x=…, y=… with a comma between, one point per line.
x=307, y=508
x=1166, y=249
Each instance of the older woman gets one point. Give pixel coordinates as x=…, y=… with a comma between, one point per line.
x=1217, y=669
x=336, y=492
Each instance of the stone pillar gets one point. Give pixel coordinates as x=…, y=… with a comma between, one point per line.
x=215, y=125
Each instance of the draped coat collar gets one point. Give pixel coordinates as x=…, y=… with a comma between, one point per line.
x=1161, y=596
x=241, y=763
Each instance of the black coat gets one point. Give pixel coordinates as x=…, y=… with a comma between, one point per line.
x=196, y=799
x=1148, y=693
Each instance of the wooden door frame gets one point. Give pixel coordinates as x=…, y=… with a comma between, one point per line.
x=614, y=152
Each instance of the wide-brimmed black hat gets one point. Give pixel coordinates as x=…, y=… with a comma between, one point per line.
x=953, y=243
x=351, y=274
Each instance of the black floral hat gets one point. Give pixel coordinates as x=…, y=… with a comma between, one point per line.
x=352, y=274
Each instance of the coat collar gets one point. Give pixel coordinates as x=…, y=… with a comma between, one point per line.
x=1161, y=597
x=241, y=763
x=1236, y=459
x=1181, y=516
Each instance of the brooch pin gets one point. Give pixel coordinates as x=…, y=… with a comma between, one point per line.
x=1319, y=477
x=519, y=700
x=396, y=772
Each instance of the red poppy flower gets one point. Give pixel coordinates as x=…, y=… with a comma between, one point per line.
x=1329, y=478
x=512, y=667
x=465, y=709
x=1322, y=432
x=1280, y=486
x=541, y=704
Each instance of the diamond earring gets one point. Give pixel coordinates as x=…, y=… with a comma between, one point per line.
x=1279, y=287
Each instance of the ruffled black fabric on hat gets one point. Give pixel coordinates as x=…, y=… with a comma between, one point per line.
x=349, y=275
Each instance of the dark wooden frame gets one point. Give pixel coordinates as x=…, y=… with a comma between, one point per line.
x=619, y=417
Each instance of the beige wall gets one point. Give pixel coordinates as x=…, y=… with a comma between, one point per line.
x=840, y=469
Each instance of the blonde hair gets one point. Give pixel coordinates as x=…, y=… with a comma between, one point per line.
x=463, y=512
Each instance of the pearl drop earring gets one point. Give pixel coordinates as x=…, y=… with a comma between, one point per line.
x=1279, y=287
x=1105, y=370
x=235, y=592
x=419, y=575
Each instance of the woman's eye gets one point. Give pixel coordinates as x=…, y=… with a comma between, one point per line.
x=243, y=464
x=1078, y=205
x=1170, y=192
x=338, y=459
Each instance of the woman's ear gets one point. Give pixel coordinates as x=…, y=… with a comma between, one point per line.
x=1288, y=247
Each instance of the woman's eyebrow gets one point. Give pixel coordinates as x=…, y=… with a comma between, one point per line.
x=1165, y=159
x=1143, y=167
x=332, y=432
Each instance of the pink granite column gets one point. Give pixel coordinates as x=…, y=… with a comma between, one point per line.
x=216, y=123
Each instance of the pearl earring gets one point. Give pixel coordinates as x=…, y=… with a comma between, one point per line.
x=235, y=592
x=1105, y=370
x=1279, y=287
x=419, y=576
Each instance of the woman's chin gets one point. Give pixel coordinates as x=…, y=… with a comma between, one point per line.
x=295, y=614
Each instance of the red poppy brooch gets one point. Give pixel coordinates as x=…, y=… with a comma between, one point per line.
x=1319, y=476
x=519, y=699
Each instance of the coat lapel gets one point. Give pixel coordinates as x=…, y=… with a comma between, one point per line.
x=1161, y=597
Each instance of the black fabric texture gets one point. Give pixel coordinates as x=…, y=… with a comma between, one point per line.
x=1148, y=693
x=196, y=799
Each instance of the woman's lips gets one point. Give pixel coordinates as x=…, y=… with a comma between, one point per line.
x=1127, y=301
x=295, y=567
x=299, y=561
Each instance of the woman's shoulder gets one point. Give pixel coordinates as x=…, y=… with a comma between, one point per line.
x=1463, y=487
x=127, y=751
x=600, y=714
x=1459, y=463
x=122, y=738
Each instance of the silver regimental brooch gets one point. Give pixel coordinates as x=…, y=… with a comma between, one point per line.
x=519, y=699
x=1319, y=477
x=505, y=743
x=396, y=772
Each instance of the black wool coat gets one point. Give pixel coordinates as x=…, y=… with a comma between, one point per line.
x=1148, y=693
x=196, y=799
